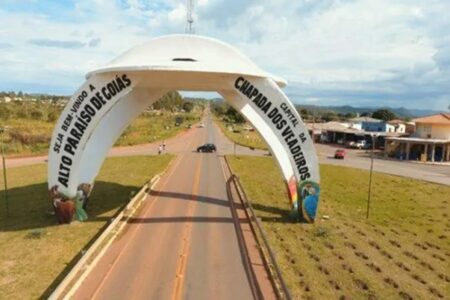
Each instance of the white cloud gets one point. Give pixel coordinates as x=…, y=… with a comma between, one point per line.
x=335, y=50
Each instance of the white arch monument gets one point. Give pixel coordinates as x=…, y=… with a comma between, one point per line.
x=114, y=95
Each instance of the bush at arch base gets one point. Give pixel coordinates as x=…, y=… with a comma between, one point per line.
x=114, y=95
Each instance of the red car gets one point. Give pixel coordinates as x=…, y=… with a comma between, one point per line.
x=339, y=154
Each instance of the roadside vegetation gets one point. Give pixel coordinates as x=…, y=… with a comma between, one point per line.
x=401, y=252
x=156, y=126
x=35, y=252
x=234, y=126
x=30, y=122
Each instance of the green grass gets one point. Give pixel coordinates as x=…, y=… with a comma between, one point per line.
x=403, y=249
x=27, y=137
x=241, y=136
x=35, y=252
x=150, y=127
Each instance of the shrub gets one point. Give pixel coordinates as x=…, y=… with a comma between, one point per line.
x=27, y=138
x=36, y=114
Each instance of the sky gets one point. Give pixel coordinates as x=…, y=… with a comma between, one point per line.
x=332, y=52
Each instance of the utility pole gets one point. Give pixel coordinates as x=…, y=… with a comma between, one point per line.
x=189, y=18
x=370, y=176
x=2, y=131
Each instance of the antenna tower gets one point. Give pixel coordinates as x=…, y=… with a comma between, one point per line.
x=189, y=18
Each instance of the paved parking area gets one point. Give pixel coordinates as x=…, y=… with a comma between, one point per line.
x=361, y=159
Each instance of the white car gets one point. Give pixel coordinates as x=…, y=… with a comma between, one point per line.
x=360, y=144
x=201, y=125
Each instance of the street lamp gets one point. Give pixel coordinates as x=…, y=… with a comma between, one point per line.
x=373, y=136
x=2, y=131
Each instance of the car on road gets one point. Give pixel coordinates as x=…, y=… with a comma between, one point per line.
x=339, y=154
x=201, y=125
x=207, y=148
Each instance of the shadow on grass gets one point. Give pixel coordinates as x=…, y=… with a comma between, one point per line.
x=30, y=207
x=279, y=215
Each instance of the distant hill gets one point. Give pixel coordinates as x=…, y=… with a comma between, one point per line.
x=345, y=109
x=399, y=111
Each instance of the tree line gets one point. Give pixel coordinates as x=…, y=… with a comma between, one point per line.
x=230, y=115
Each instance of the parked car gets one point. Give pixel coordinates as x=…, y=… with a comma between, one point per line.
x=350, y=144
x=201, y=125
x=339, y=154
x=207, y=148
x=360, y=144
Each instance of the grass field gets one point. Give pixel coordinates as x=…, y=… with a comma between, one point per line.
x=241, y=136
x=35, y=252
x=401, y=252
x=151, y=127
x=32, y=137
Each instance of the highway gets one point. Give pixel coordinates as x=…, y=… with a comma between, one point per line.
x=183, y=242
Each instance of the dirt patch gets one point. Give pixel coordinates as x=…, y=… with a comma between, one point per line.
x=422, y=246
x=435, y=292
x=313, y=256
x=386, y=254
x=394, y=243
x=432, y=246
x=334, y=284
x=426, y=265
x=361, y=284
x=444, y=277
x=350, y=245
x=405, y=295
x=391, y=282
x=347, y=268
x=418, y=279
x=374, y=267
x=361, y=255
x=323, y=270
x=374, y=245
x=403, y=266
x=410, y=255
x=438, y=257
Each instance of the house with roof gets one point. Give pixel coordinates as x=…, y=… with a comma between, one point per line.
x=369, y=124
x=396, y=126
x=430, y=141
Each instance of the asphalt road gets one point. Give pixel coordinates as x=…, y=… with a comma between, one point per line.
x=361, y=159
x=183, y=243
x=355, y=159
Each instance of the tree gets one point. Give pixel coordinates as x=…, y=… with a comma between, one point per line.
x=234, y=115
x=330, y=116
x=384, y=114
x=304, y=113
x=188, y=106
x=350, y=115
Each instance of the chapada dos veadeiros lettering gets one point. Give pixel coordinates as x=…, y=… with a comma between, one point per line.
x=280, y=117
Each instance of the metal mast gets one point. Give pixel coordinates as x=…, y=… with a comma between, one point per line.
x=189, y=18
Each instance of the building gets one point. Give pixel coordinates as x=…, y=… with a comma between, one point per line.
x=397, y=126
x=344, y=132
x=375, y=125
x=430, y=141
